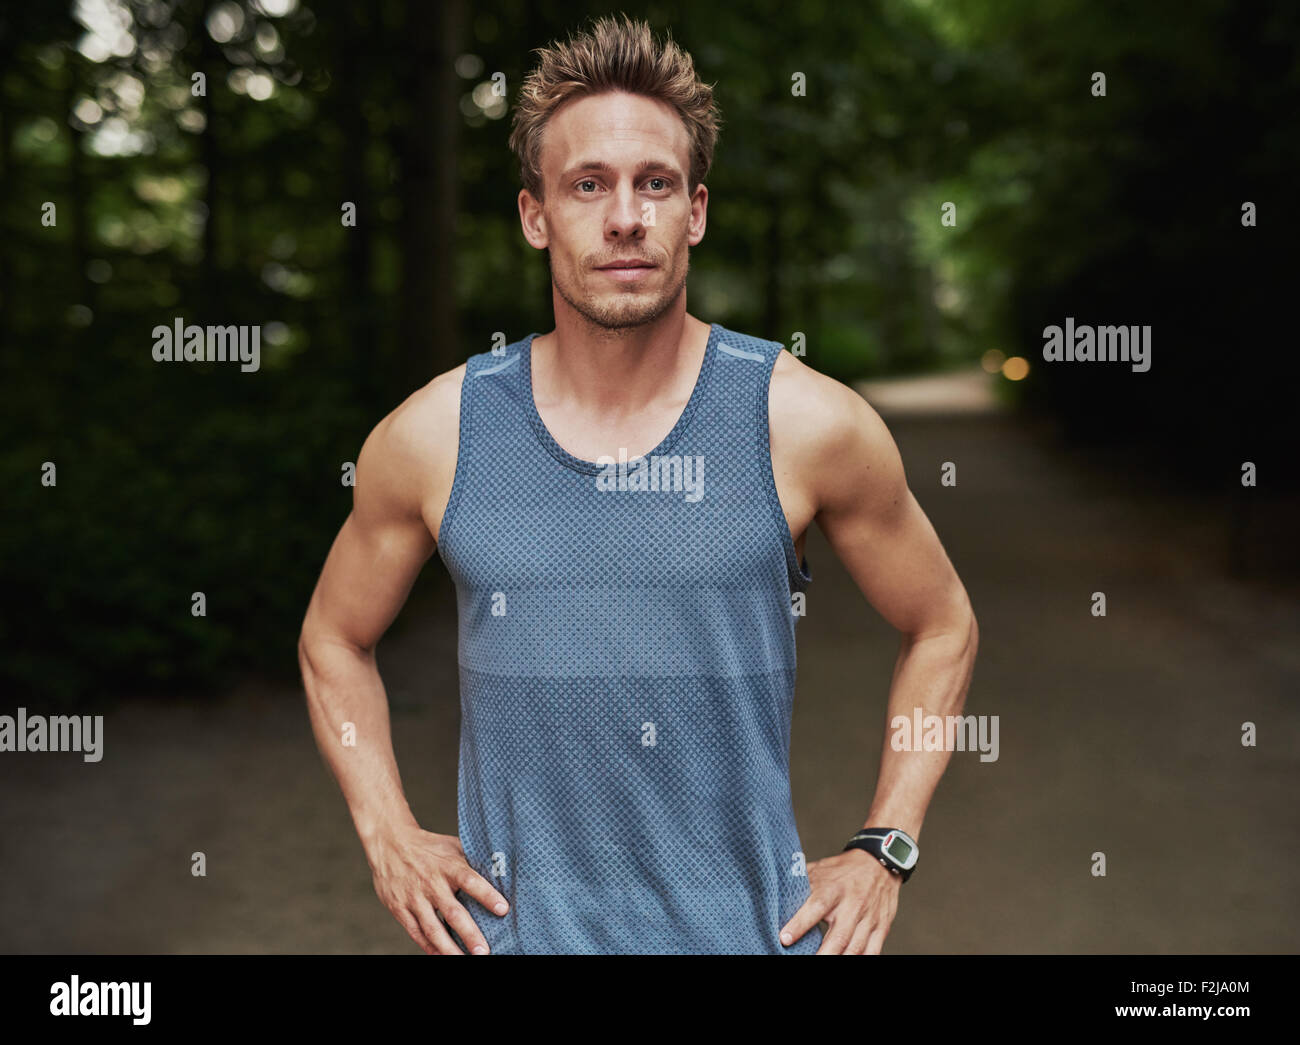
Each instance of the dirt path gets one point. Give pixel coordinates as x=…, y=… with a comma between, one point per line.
x=1118, y=734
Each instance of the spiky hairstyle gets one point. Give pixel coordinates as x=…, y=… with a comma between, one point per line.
x=614, y=55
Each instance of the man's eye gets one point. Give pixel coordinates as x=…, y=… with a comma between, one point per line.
x=659, y=187
x=586, y=182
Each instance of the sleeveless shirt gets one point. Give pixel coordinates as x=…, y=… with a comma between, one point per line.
x=626, y=651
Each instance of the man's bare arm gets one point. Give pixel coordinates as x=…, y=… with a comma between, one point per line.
x=891, y=550
x=404, y=474
x=854, y=482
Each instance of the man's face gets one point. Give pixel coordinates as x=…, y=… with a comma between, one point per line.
x=614, y=176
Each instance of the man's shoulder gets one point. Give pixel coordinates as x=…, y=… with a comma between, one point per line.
x=428, y=416
x=738, y=343
x=829, y=436
x=826, y=415
x=794, y=385
x=411, y=453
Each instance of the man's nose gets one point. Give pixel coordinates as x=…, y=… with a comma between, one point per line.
x=624, y=220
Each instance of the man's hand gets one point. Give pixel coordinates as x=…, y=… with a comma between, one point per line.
x=417, y=874
x=857, y=898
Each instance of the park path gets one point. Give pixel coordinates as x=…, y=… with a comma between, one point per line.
x=1118, y=734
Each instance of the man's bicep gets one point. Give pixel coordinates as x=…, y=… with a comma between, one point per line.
x=367, y=576
x=378, y=553
x=882, y=535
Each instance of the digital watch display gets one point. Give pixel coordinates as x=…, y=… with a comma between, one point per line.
x=894, y=848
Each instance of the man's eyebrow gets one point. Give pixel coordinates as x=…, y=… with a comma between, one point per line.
x=601, y=167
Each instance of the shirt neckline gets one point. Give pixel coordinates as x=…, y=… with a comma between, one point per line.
x=577, y=463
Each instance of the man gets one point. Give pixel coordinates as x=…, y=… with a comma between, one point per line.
x=623, y=503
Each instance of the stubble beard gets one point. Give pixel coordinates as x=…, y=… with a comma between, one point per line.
x=629, y=311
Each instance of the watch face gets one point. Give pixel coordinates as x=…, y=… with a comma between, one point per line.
x=899, y=850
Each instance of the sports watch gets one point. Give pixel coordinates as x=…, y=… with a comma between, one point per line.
x=894, y=848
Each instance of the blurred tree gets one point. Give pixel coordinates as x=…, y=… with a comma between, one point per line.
x=825, y=207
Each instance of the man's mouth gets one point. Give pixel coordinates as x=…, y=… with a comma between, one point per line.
x=627, y=268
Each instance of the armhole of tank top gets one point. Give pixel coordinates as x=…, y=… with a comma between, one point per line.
x=462, y=445
x=798, y=578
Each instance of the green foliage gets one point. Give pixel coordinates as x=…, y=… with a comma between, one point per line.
x=824, y=219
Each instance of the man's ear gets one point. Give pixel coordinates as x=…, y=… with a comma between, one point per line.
x=533, y=220
x=699, y=214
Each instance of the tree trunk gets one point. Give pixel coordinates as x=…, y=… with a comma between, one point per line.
x=428, y=326
x=357, y=297
x=211, y=294
x=77, y=190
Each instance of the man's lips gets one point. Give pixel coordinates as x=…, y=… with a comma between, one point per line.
x=627, y=271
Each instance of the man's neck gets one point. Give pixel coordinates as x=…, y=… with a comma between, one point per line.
x=618, y=373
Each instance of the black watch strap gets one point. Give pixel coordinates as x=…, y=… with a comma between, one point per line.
x=870, y=840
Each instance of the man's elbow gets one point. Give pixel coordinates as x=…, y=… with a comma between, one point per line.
x=955, y=642
x=954, y=625
x=317, y=654
x=970, y=629
x=306, y=667
x=966, y=631
x=324, y=655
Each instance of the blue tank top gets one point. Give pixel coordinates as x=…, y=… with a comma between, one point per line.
x=627, y=665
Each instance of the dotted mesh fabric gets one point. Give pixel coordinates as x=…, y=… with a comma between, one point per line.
x=627, y=664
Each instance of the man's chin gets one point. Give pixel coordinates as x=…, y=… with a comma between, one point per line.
x=623, y=310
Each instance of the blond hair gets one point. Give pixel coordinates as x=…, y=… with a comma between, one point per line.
x=613, y=56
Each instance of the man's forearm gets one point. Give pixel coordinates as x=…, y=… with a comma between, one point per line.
x=932, y=673
x=343, y=686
